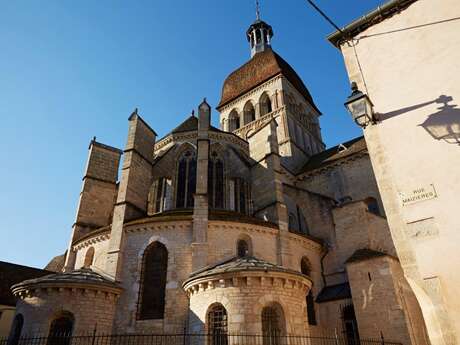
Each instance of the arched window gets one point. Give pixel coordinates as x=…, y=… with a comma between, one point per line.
x=217, y=325
x=186, y=180
x=233, y=121
x=215, y=182
x=16, y=329
x=249, y=112
x=272, y=325
x=305, y=268
x=258, y=37
x=372, y=205
x=153, y=282
x=61, y=329
x=293, y=223
x=265, y=104
x=242, y=248
x=160, y=195
x=89, y=257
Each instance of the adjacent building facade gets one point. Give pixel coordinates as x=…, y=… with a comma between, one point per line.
x=253, y=227
x=405, y=55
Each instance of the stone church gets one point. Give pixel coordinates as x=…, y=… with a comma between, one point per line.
x=254, y=227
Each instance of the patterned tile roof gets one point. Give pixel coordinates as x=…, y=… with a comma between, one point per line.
x=80, y=276
x=240, y=264
x=191, y=124
x=262, y=67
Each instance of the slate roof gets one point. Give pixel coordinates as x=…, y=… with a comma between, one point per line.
x=240, y=264
x=11, y=274
x=191, y=124
x=364, y=254
x=334, y=293
x=80, y=276
x=334, y=154
x=56, y=264
x=262, y=67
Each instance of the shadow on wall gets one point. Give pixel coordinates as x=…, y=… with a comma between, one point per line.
x=443, y=125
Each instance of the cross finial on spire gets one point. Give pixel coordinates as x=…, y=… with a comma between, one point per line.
x=257, y=10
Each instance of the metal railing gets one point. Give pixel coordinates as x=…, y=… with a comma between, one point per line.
x=190, y=339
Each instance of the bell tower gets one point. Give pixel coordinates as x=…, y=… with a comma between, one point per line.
x=267, y=88
x=259, y=34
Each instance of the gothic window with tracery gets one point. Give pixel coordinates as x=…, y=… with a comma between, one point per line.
x=160, y=195
x=215, y=182
x=217, y=325
x=239, y=195
x=186, y=180
x=153, y=282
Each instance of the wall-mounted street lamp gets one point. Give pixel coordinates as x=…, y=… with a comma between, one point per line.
x=360, y=107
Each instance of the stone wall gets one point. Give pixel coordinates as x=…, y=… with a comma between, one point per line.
x=91, y=309
x=244, y=297
x=177, y=237
x=384, y=303
x=352, y=178
x=6, y=319
x=100, y=243
x=415, y=90
x=357, y=228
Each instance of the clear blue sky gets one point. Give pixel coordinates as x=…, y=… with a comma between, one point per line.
x=73, y=69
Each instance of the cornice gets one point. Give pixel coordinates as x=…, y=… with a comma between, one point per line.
x=250, y=93
x=193, y=135
x=247, y=279
x=90, y=240
x=74, y=288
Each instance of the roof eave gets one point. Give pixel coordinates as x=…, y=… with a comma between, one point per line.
x=375, y=16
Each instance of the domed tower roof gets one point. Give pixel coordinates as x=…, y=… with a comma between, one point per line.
x=262, y=67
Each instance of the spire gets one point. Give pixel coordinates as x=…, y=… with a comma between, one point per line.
x=259, y=34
